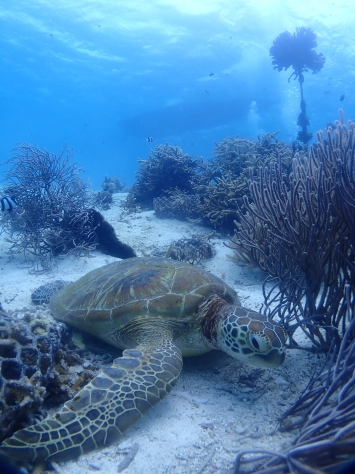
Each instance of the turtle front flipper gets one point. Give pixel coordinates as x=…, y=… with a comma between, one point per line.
x=111, y=403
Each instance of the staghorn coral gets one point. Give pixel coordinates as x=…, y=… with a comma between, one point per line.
x=167, y=169
x=112, y=185
x=176, y=205
x=295, y=230
x=223, y=181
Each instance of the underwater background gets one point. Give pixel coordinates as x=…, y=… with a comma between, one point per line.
x=101, y=76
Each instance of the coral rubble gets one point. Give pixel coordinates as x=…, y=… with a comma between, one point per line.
x=43, y=293
x=192, y=250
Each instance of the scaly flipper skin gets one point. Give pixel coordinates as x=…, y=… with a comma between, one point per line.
x=111, y=403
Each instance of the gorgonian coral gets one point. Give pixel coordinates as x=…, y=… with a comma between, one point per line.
x=297, y=51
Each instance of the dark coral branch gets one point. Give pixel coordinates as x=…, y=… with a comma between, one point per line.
x=301, y=231
x=325, y=412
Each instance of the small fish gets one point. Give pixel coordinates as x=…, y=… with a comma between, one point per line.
x=211, y=74
x=206, y=91
x=8, y=203
x=149, y=139
x=327, y=92
x=342, y=97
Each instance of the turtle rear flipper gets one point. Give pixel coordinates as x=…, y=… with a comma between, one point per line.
x=111, y=403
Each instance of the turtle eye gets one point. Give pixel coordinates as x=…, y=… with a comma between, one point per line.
x=255, y=343
x=259, y=342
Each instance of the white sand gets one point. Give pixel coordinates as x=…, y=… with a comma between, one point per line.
x=219, y=406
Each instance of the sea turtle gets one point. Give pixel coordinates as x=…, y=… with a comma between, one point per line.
x=157, y=310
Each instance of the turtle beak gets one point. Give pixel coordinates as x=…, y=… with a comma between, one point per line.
x=274, y=358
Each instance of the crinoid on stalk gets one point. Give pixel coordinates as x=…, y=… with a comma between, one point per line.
x=297, y=51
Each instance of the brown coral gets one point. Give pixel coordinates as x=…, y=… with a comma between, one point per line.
x=35, y=355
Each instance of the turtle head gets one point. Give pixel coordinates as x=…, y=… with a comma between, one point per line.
x=246, y=335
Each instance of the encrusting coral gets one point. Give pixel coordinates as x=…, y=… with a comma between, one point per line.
x=38, y=362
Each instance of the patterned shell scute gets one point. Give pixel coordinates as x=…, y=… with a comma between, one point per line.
x=110, y=296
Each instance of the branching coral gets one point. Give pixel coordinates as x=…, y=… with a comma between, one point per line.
x=47, y=187
x=295, y=230
x=167, y=169
x=176, y=205
x=54, y=214
x=223, y=181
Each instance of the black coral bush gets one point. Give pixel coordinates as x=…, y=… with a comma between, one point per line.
x=52, y=201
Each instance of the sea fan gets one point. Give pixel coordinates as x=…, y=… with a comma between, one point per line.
x=297, y=51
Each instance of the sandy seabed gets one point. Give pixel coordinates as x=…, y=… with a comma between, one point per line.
x=218, y=406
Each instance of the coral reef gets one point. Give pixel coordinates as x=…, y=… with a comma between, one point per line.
x=47, y=188
x=192, y=250
x=176, y=205
x=104, y=199
x=297, y=231
x=166, y=169
x=205, y=192
x=38, y=362
x=224, y=180
x=54, y=213
x=112, y=185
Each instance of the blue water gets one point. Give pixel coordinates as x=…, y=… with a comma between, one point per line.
x=103, y=75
